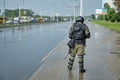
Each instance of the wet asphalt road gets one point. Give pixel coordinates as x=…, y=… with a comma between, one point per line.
x=22, y=48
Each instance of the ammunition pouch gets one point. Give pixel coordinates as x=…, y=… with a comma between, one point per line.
x=80, y=41
x=71, y=43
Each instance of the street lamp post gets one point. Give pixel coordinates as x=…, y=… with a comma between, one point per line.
x=57, y=15
x=81, y=7
x=78, y=11
x=74, y=10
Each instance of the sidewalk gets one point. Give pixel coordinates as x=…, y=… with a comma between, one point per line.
x=98, y=66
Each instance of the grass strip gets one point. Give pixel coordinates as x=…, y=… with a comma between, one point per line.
x=111, y=25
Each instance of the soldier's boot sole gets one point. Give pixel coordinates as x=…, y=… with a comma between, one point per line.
x=82, y=71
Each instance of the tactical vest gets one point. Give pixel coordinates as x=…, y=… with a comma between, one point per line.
x=79, y=31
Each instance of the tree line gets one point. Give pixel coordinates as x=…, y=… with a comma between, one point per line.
x=15, y=13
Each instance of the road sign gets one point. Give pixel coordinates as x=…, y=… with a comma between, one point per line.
x=101, y=11
x=104, y=11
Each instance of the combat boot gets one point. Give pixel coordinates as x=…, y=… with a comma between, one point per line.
x=69, y=67
x=82, y=70
x=70, y=64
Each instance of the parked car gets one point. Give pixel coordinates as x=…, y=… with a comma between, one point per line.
x=16, y=22
x=34, y=21
x=10, y=22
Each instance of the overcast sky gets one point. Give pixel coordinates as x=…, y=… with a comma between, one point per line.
x=63, y=7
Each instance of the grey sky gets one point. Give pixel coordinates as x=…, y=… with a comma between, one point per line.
x=63, y=7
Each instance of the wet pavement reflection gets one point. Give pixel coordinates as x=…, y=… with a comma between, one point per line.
x=116, y=43
x=105, y=38
x=98, y=60
x=71, y=76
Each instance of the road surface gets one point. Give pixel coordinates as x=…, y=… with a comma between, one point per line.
x=102, y=59
x=22, y=48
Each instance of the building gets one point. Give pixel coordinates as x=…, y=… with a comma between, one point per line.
x=110, y=2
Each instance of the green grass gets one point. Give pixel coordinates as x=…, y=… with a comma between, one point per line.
x=114, y=26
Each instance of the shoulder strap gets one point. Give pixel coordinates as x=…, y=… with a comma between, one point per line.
x=82, y=26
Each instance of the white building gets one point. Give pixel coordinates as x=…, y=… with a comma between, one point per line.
x=110, y=2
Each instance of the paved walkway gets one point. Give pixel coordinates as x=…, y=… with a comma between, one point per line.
x=98, y=67
x=100, y=64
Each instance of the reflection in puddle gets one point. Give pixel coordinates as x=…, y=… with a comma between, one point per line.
x=116, y=43
x=81, y=76
x=72, y=76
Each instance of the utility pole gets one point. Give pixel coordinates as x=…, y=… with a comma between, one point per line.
x=57, y=16
x=24, y=9
x=40, y=14
x=19, y=10
x=4, y=12
x=74, y=10
x=78, y=8
x=81, y=7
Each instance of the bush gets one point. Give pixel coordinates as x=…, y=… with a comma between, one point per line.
x=113, y=18
x=110, y=14
x=118, y=16
x=100, y=17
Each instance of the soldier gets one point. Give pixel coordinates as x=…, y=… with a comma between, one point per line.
x=78, y=34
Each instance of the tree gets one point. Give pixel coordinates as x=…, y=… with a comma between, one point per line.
x=118, y=16
x=111, y=15
x=107, y=6
x=15, y=13
x=113, y=18
x=100, y=17
x=92, y=16
x=29, y=12
x=9, y=13
x=117, y=4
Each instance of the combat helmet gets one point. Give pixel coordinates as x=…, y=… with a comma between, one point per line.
x=80, y=18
